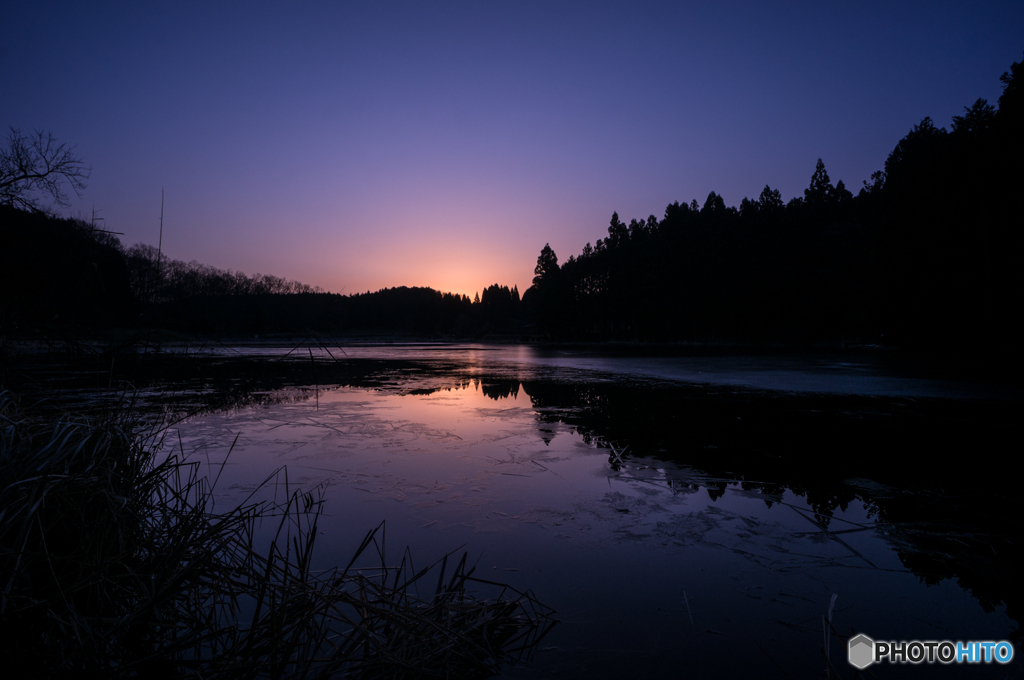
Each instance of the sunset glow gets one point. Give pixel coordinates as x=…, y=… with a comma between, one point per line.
x=355, y=148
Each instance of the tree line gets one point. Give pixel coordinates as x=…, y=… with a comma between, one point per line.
x=63, y=274
x=155, y=278
x=926, y=253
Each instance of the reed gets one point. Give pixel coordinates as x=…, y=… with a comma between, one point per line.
x=116, y=563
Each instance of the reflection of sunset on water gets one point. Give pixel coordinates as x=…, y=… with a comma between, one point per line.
x=492, y=458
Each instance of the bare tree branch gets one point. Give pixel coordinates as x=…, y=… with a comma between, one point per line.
x=38, y=164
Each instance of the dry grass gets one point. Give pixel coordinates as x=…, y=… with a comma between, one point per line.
x=115, y=564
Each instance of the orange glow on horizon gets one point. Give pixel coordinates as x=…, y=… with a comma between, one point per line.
x=459, y=259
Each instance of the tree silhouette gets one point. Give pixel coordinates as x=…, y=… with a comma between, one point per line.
x=977, y=118
x=38, y=164
x=915, y=151
x=714, y=204
x=840, y=194
x=770, y=199
x=821, y=188
x=748, y=207
x=1011, y=101
x=547, y=266
x=875, y=185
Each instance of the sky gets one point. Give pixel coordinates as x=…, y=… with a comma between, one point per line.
x=357, y=146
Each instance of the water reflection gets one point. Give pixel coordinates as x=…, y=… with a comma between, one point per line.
x=944, y=521
x=672, y=527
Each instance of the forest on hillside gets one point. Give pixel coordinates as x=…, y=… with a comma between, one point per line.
x=925, y=254
x=64, y=275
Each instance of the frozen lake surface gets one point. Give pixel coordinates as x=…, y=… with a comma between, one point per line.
x=863, y=372
x=660, y=563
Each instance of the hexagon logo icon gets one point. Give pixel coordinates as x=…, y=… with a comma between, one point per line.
x=862, y=651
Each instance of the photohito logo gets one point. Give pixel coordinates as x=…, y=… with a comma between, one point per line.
x=863, y=651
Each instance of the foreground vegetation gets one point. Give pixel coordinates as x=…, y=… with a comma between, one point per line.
x=114, y=562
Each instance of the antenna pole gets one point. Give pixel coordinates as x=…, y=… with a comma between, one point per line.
x=160, y=243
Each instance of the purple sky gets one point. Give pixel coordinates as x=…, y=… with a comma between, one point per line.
x=443, y=144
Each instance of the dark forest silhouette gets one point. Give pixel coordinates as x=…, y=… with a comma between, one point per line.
x=924, y=255
x=62, y=275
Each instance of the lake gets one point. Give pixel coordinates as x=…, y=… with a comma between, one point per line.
x=697, y=515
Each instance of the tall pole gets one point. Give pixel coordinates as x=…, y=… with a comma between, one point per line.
x=160, y=243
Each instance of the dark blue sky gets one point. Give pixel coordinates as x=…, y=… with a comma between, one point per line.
x=443, y=144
